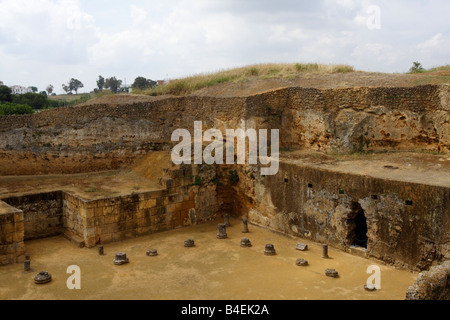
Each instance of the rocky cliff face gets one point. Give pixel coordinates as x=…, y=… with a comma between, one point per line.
x=406, y=223
x=102, y=136
x=431, y=285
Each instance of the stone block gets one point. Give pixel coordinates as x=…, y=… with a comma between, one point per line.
x=108, y=210
x=100, y=203
x=86, y=213
x=157, y=194
x=159, y=219
x=90, y=242
x=167, y=183
x=89, y=204
x=176, y=198
x=18, y=217
x=110, y=219
x=110, y=228
x=171, y=208
x=88, y=222
x=8, y=228
x=98, y=212
x=162, y=201
x=188, y=205
x=145, y=204
x=6, y=218
x=89, y=233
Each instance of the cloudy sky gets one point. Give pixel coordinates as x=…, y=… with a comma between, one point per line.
x=50, y=41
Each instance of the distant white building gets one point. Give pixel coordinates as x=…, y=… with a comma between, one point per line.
x=1, y=83
x=20, y=90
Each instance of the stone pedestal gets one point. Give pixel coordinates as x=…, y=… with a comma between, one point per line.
x=189, y=243
x=222, y=234
x=226, y=219
x=245, y=230
x=152, y=253
x=301, y=262
x=121, y=258
x=43, y=277
x=331, y=273
x=325, y=251
x=245, y=243
x=270, y=250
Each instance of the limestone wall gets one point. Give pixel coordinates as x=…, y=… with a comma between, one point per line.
x=188, y=196
x=431, y=285
x=43, y=214
x=356, y=119
x=407, y=223
x=179, y=204
x=72, y=220
x=107, y=136
x=12, y=247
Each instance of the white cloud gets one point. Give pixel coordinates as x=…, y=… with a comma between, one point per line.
x=138, y=15
x=51, y=41
x=432, y=43
x=380, y=52
x=46, y=31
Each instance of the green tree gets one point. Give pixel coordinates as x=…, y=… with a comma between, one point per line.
x=35, y=100
x=5, y=94
x=8, y=108
x=34, y=89
x=49, y=89
x=143, y=83
x=66, y=88
x=100, y=83
x=113, y=84
x=75, y=85
x=416, y=68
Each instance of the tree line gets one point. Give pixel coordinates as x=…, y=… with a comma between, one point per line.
x=29, y=102
x=113, y=84
x=23, y=103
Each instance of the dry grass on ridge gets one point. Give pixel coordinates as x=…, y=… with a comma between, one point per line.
x=258, y=71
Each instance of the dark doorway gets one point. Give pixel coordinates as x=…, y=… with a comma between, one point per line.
x=360, y=230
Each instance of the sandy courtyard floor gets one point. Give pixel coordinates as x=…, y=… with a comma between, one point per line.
x=212, y=270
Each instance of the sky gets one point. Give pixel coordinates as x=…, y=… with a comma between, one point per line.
x=46, y=42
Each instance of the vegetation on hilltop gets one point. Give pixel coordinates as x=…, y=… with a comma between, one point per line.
x=8, y=108
x=258, y=71
x=418, y=68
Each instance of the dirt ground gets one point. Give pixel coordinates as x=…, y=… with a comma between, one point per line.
x=212, y=270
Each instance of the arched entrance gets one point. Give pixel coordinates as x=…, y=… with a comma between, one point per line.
x=360, y=234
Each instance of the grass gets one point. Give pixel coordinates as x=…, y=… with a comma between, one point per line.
x=74, y=99
x=441, y=68
x=435, y=69
x=258, y=71
x=427, y=76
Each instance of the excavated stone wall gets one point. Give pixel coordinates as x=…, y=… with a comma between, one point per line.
x=12, y=247
x=431, y=285
x=43, y=214
x=181, y=202
x=407, y=223
x=103, y=136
